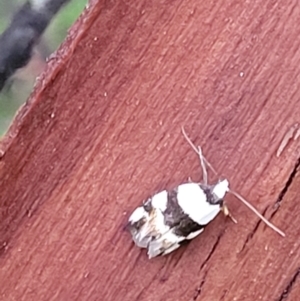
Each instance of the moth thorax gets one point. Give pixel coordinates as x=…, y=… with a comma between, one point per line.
x=221, y=189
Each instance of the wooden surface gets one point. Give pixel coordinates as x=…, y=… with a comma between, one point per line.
x=101, y=132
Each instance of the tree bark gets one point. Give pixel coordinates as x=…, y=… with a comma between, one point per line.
x=101, y=132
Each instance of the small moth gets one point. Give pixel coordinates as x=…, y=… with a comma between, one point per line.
x=170, y=218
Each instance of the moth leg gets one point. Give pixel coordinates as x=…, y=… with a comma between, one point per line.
x=226, y=212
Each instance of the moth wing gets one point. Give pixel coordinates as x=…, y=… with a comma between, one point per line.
x=145, y=227
x=192, y=235
x=164, y=244
x=209, y=214
x=138, y=226
x=194, y=203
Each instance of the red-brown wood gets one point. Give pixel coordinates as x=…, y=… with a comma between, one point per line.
x=101, y=132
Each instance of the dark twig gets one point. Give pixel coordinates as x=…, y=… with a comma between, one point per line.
x=18, y=40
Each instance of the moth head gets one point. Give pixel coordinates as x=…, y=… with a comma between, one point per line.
x=221, y=188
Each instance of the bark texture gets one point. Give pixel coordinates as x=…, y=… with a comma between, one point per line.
x=101, y=132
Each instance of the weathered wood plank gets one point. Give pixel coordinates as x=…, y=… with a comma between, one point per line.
x=101, y=132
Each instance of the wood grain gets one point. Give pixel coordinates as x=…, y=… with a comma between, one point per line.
x=101, y=132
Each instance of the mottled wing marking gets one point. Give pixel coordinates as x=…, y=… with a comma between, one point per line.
x=182, y=228
x=147, y=223
x=175, y=218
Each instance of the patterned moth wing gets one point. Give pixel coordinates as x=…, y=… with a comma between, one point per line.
x=169, y=218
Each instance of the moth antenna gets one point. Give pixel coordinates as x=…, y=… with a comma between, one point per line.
x=238, y=196
x=198, y=151
x=204, y=170
x=255, y=211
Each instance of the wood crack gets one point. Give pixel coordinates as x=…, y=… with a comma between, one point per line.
x=289, y=286
x=287, y=185
x=199, y=288
x=251, y=234
x=214, y=247
x=277, y=203
x=212, y=250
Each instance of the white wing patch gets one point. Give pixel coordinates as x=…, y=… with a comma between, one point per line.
x=210, y=213
x=192, y=200
x=160, y=200
x=138, y=214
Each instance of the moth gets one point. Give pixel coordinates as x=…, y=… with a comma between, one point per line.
x=169, y=218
